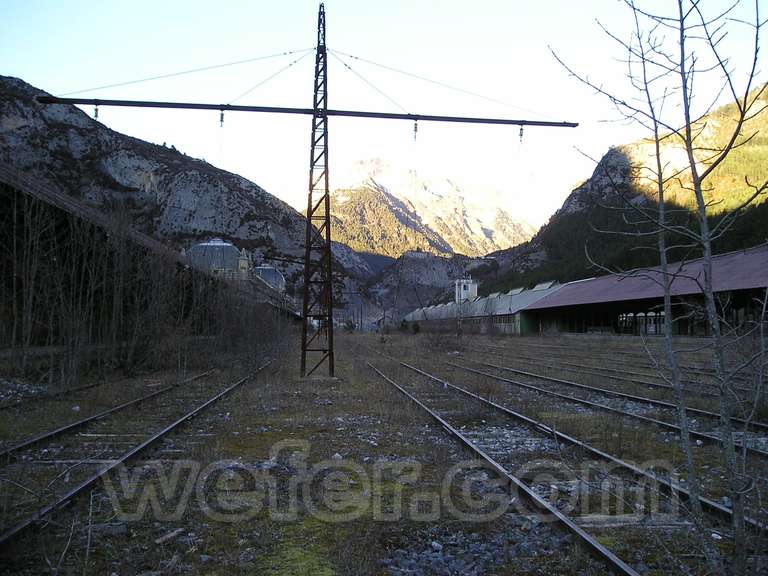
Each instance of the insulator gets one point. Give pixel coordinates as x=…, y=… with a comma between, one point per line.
x=96, y=112
x=415, y=129
x=221, y=119
x=521, y=134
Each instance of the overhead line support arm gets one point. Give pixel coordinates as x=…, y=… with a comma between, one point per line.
x=304, y=111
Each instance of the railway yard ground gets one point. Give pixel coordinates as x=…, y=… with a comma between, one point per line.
x=424, y=455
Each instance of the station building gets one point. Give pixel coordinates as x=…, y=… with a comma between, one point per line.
x=220, y=258
x=223, y=259
x=627, y=303
x=498, y=313
x=271, y=276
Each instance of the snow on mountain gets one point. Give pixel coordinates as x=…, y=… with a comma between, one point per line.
x=433, y=214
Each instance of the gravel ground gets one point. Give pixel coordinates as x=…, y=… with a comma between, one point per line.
x=13, y=390
x=520, y=541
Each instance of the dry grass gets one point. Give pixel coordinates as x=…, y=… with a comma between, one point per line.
x=364, y=420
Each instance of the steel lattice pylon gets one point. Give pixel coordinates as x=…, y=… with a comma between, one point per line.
x=317, y=329
x=317, y=332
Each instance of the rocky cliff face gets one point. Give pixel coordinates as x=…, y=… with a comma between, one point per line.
x=372, y=220
x=613, y=172
x=166, y=194
x=624, y=179
x=417, y=279
x=393, y=212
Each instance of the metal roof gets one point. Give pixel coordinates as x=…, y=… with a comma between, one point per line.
x=475, y=307
x=741, y=270
x=214, y=255
x=444, y=311
x=525, y=298
x=488, y=306
x=271, y=276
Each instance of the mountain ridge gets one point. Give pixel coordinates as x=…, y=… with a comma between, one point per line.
x=559, y=249
x=392, y=214
x=164, y=193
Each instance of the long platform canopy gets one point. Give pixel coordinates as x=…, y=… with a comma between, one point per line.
x=740, y=270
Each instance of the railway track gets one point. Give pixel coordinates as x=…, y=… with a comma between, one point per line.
x=40, y=476
x=515, y=484
x=440, y=402
x=594, y=371
x=666, y=389
x=646, y=439
x=693, y=386
x=672, y=487
x=703, y=436
x=49, y=435
x=627, y=358
x=629, y=369
x=755, y=425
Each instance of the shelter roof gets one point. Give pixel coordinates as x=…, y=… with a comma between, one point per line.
x=740, y=270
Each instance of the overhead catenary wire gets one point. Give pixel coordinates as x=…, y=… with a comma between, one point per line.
x=318, y=307
x=271, y=76
x=188, y=71
x=368, y=82
x=439, y=83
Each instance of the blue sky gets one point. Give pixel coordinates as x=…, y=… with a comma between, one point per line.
x=492, y=47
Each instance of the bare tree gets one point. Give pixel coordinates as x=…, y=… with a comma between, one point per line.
x=97, y=298
x=668, y=57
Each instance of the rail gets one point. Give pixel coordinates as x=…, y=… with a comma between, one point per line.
x=694, y=434
x=80, y=423
x=626, y=396
x=43, y=512
x=592, y=544
x=670, y=487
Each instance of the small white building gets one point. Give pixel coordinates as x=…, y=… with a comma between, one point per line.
x=465, y=289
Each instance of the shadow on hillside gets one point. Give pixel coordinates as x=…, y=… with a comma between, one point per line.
x=598, y=220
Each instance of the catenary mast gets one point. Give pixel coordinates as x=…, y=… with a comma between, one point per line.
x=317, y=328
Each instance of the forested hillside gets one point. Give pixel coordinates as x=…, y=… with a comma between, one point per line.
x=598, y=223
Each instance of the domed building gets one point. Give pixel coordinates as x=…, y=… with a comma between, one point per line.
x=220, y=258
x=271, y=276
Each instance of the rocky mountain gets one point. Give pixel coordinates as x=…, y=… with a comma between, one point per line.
x=593, y=215
x=166, y=194
x=371, y=220
x=399, y=236
x=417, y=279
x=393, y=212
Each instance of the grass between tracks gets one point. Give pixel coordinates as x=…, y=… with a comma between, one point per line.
x=357, y=419
x=278, y=422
